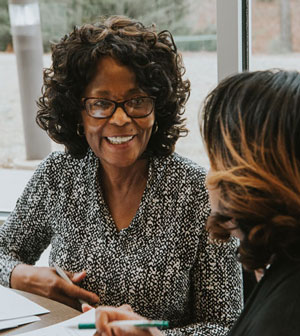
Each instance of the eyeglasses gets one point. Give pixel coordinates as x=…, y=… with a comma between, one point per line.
x=137, y=107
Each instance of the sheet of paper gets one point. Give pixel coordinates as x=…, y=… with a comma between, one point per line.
x=13, y=305
x=12, y=323
x=68, y=327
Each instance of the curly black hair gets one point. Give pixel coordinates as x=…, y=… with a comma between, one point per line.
x=152, y=56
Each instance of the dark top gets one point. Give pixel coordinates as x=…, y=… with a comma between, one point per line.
x=273, y=309
x=163, y=264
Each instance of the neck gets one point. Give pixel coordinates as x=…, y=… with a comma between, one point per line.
x=122, y=179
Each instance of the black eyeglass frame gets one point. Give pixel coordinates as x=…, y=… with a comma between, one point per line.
x=118, y=104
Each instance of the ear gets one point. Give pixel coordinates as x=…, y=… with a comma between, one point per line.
x=155, y=127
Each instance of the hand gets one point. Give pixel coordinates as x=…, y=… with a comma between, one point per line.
x=86, y=307
x=44, y=281
x=105, y=315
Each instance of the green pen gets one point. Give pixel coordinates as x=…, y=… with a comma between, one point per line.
x=133, y=323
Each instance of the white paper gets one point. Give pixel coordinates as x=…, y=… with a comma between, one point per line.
x=12, y=323
x=13, y=305
x=68, y=327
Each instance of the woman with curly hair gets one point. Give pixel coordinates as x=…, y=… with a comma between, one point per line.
x=251, y=127
x=123, y=213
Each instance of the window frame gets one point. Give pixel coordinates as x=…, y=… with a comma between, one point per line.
x=233, y=36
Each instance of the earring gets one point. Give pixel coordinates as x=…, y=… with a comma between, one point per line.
x=80, y=130
x=155, y=127
x=58, y=128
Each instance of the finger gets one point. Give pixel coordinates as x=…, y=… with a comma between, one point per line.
x=73, y=291
x=113, y=314
x=126, y=307
x=103, y=327
x=130, y=331
x=86, y=307
x=98, y=334
x=79, y=276
x=104, y=315
x=61, y=297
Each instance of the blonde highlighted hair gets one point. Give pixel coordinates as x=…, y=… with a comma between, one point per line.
x=251, y=128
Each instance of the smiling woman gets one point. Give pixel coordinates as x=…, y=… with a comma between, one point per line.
x=156, y=70
x=124, y=214
x=118, y=138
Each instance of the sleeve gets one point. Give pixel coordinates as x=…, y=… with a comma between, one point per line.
x=24, y=235
x=216, y=290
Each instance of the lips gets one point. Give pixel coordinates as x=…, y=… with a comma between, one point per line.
x=118, y=140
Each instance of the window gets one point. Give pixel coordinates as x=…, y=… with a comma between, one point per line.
x=275, y=34
x=192, y=22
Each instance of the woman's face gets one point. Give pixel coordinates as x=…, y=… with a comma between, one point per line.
x=214, y=199
x=117, y=141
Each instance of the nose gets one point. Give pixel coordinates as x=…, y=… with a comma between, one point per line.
x=119, y=118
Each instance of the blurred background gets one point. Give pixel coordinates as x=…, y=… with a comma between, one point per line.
x=275, y=43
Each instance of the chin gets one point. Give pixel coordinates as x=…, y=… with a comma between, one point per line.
x=120, y=163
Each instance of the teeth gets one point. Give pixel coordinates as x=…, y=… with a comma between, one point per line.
x=119, y=140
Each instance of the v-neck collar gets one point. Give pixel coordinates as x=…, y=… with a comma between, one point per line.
x=136, y=223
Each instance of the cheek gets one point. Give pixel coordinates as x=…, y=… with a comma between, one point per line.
x=91, y=125
x=234, y=231
x=213, y=198
x=146, y=127
x=92, y=129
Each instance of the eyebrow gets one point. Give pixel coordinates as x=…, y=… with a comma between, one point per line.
x=135, y=90
x=106, y=93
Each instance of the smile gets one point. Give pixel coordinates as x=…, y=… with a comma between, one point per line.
x=119, y=139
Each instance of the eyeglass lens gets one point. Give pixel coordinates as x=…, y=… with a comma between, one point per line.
x=136, y=107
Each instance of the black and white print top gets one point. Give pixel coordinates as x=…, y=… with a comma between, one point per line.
x=162, y=265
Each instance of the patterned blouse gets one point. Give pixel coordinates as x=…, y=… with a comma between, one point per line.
x=162, y=265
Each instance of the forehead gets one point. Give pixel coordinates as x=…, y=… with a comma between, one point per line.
x=112, y=80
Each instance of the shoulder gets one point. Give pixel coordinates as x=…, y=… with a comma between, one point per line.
x=184, y=180
x=278, y=288
x=181, y=171
x=181, y=166
x=59, y=165
x=56, y=161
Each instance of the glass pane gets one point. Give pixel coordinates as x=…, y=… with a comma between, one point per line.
x=275, y=34
x=24, y=14
x=192, y=23
x=200, y=58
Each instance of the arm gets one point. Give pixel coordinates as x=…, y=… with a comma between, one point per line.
x=216, y=290
x=24, y=237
